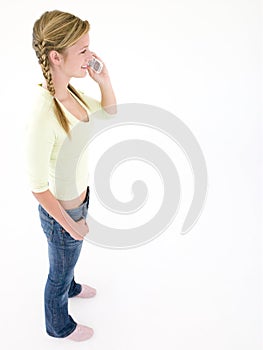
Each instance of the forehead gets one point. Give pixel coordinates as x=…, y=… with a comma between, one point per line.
x=81, y=43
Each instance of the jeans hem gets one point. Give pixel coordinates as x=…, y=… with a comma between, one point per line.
x=63, y=336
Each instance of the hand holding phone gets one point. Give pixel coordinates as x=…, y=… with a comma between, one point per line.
x=96, y=65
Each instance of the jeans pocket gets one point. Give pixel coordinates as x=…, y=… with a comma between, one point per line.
x=47, y=223
x=64, y=235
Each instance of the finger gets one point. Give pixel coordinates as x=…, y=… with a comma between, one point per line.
x=90, y=71
x=96, y=56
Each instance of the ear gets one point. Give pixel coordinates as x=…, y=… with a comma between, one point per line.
x=55, y=57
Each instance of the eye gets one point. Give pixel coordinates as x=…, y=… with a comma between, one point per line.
x=82, y=52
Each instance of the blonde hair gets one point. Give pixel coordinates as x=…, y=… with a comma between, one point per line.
x=57, y=30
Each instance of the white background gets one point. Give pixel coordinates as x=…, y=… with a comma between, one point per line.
x=200, y=60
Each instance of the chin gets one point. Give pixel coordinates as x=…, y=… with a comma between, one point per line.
x=80, y=74
x=83, y=74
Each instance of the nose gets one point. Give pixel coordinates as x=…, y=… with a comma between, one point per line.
x=88, y=55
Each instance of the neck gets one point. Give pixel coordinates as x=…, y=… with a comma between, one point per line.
x=61, y=83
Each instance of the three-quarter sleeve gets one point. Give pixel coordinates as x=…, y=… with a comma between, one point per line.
x=40, y=139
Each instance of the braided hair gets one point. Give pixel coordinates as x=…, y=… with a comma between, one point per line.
x=56, y=30
x=43, y=60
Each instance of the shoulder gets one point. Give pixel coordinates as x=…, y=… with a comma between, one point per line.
x=42, y=105
x=41, y=124
x=41, y=111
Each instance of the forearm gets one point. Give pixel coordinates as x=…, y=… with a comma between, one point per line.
x=54, y=208
x=108, y=99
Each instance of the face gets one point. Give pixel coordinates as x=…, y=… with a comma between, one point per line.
x=74, y=60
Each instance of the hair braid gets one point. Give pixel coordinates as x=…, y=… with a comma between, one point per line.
x=44, y=63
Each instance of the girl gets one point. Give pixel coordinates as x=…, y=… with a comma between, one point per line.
x=61, y=42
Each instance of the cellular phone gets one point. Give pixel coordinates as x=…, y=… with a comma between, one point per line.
x=96, y=65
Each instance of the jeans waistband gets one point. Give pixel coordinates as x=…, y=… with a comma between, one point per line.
x=77, y=213
x=81, y=211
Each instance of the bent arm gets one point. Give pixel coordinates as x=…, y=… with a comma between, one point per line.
x=76, y=229
x=108, y=99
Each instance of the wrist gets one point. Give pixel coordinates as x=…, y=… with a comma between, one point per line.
x=104, y=84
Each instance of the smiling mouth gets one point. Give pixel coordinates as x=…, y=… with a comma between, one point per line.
x=84, y=67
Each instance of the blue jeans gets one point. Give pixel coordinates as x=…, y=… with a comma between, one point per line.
x=63, y=252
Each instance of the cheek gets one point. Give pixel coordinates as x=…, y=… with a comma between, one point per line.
x=73, y=62
x=73, y=66
x=88, y=55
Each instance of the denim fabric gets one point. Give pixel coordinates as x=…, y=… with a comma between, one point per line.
x=63, y=252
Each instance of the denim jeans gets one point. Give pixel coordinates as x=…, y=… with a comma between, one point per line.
x=63, y=252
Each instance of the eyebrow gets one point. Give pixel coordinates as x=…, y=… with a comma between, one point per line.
x=84, y=47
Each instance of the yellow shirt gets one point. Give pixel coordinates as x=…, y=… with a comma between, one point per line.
x=56, y=161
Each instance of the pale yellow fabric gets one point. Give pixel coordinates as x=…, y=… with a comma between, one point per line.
x=56, y=161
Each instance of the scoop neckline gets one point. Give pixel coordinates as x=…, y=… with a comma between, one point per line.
x=67, y=111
